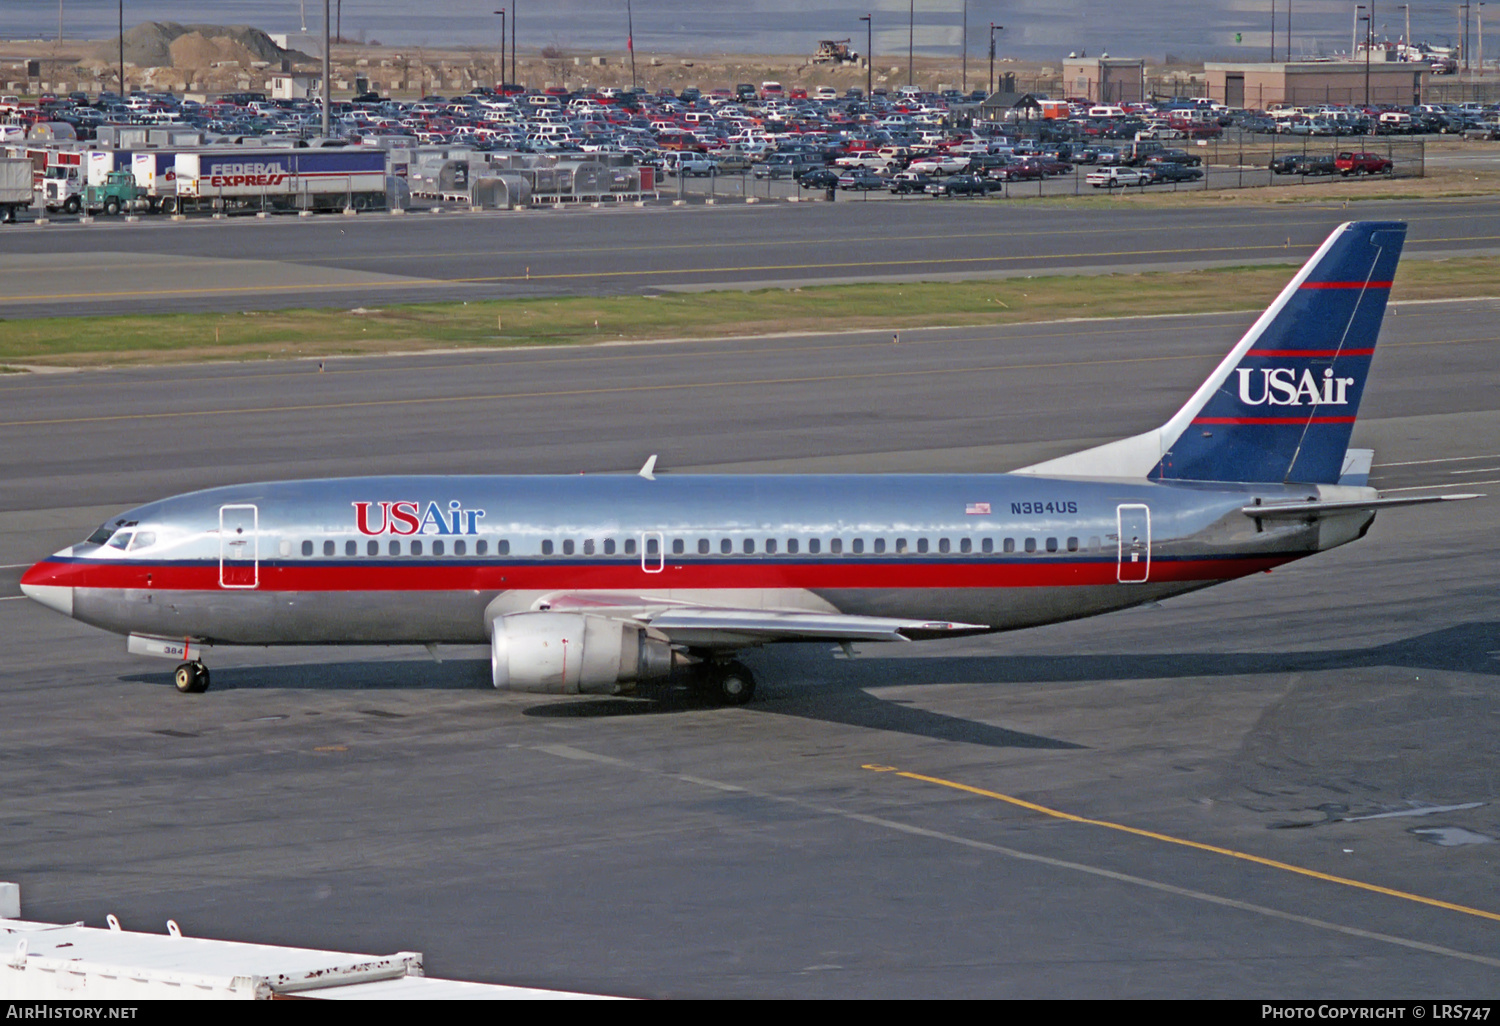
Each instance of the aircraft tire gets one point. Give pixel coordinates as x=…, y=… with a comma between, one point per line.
x=733, y=683
x=191, y=678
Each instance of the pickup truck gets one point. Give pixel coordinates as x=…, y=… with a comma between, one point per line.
x=1362, y=164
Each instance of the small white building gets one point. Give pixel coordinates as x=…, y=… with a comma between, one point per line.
x=296, y=85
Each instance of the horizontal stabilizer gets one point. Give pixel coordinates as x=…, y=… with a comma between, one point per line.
x=1313, y=510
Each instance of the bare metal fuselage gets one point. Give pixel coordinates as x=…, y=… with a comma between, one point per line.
x=435, y=559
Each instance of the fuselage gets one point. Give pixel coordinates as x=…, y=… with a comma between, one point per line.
x=433, y=559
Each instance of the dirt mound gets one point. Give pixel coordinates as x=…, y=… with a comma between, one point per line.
x=155, y=44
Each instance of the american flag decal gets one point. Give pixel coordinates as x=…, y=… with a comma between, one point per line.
x=975, y=509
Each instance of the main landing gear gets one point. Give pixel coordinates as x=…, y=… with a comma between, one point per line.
x=191, y=678
x=729, y=683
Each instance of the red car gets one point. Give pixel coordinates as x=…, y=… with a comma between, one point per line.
x=1362, y=164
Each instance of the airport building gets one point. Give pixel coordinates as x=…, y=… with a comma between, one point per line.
x=1107, y=80
x=1299, y=83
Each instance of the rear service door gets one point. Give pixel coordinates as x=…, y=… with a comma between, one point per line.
x=239, y=546
x=1135, y=543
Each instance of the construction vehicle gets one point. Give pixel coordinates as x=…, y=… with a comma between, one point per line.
x=834, y=51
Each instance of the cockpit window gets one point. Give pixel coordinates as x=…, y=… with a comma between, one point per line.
x=121, y=539
x=143, y=540
x=102, y=535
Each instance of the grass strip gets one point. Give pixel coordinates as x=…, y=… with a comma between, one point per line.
x=570, y=320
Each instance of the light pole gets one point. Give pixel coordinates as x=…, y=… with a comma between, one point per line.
x=911, y=35
x=1369, y=20
x=965, y=84
x=501, y=12
x=630, y=41
x=515, y=75
x=327, y=71
x=122, y=51
x=869, y=52
x=1273, y=31
x=993, y=27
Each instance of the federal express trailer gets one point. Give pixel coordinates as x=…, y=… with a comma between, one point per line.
x=312, y=179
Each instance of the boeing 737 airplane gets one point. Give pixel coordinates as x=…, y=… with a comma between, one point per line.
x=590, y=584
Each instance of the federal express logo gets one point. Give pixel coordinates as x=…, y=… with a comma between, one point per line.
x=1280, y=386
x=246, y=173
x=411, y=518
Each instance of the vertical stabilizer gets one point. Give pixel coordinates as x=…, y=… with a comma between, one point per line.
x=1282, y=404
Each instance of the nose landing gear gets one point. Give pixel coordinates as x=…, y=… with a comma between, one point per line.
x=191, y=678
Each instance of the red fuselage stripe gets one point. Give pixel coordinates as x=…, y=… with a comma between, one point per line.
x=1273, y=420
x=456, y=576
x=1310, y=352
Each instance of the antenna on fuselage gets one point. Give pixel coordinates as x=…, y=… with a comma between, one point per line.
x=649, y=470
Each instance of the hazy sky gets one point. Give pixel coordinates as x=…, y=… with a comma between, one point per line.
x=1034, y=29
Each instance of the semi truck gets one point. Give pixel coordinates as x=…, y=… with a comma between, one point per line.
x=16, y=188
x=313, y=179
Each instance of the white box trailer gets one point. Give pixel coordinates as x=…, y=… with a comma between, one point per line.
x=307, y=179
x=15, y=187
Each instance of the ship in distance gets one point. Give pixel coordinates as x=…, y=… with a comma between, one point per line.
x=590, y=584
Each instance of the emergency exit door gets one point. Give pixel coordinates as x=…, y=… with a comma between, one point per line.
x=1134, y=523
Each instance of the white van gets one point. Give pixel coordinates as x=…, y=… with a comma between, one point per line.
x=1105, y=111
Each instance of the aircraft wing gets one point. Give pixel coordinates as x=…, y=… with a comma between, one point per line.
x=721, y=626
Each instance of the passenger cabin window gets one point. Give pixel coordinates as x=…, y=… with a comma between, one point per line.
x=987, y=546
x=652, y=547
x=921, y=544
x=609, y=546
x=351, y=548
x=942, y=544
x=437, y=547
x=836, y=546
x=416, y=547
x=568, y=547
x=629, y=546
x=307, y=548
x=814, y=546
x=749, y=546
x=726, y=546
x=677, y=547
x=791, y=546
x=460, y=548
x=482, y=547
x=374, y=548
x=966, y=545
x=330, y=548
x=703, y=546
x=547, y=547
x=1072, y=544
x=1010, y=545
x=395, y=548
x=1030, y=544
x=588, y=546
x=1051, y=544
x=879, y=544
x=901, y=546
x=858, y=545
x=771, y=546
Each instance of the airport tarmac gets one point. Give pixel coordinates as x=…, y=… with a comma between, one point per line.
x=1282, y=787
x=241, y=263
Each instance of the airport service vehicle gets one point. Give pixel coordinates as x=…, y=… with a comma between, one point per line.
x=311, y=179
x=589, y=584
x=15, y=187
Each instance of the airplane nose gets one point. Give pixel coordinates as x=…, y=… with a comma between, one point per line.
x=36, y=585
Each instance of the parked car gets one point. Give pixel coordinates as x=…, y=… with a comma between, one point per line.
x=1348, y=163
x=910, y=181
x=960, y=185
x=1116, y=177
x=861, y=181
x=819, y=178
x=1166, y=171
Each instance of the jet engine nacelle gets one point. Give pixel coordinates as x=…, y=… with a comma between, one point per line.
x=571, y=653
